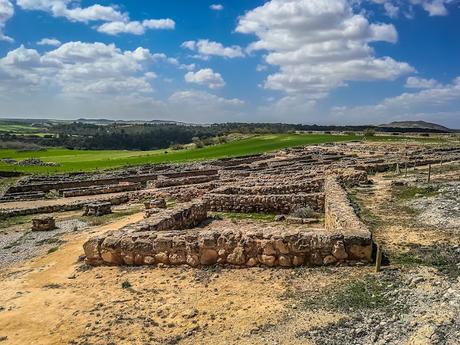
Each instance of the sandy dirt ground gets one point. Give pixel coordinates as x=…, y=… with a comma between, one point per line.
x=55, y=298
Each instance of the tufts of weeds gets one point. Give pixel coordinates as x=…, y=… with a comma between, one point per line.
x=234, y=216
x=443, y=258
x=368, y=293
x=52, y=250
x=52, y=240
x=368, y=217
x=8, y=222
x=52, y=286
x=126, y=285
x=411, y=192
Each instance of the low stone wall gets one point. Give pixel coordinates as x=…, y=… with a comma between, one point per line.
x=114, y=188
x=340, y=216
x=232, y=161
x=23, y=196
x=188, y=173
x=313, y=186
x=181, y=217
x=274, y=203
x=46, y=187
x=185, y=181
x=43, y=224
x=138, y=178
x=8, y=213
x=268, y=247
x=350, y=177
x=168, y=237
x=97, y=209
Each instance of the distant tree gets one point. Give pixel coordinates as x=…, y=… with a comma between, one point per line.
x=369, y=132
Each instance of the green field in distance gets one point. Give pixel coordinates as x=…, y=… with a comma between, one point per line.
x=87, y=160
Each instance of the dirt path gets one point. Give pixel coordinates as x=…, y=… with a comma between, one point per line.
x=39, y=299
x=56, y=300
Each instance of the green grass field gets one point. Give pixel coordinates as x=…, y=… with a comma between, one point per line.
x=79, y=160
x=21, y=129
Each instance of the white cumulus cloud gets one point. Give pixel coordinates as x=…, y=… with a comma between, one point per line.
x=78, y=69
x=136, y=27
x=433, y=7
x=6, y=12
x=49, y=42
x=420, y=83
x=206, y=48
x=115, y=21
x=62, y=8
x=206, y=77
x=216, y=7
x=437, y=103
x=319, y=46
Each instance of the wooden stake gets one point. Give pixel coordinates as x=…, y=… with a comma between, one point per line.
x=405, y=168
x=429, y=173
x=378, y=259
x=397, y=169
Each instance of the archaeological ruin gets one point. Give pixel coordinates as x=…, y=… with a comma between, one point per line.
x=303, y=189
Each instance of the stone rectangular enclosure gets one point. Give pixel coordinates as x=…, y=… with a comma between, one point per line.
x=185, y=235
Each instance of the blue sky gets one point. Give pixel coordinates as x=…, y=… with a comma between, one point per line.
x=298, y=61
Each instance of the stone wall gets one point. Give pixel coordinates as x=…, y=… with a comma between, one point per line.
x=340, y=216
x=171, y=237
x=266, y=247
x=138, y=178
x=114, y=188
x=313, y=186
x=184, y=216
x=272, y=203
x=61, y=207
x=180, y=181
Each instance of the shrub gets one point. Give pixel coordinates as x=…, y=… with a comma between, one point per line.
x=302, y=212
x=177, y=147
x=370, y=132
x=126, y=285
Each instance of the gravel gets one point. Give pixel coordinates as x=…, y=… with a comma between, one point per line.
x=441, y=210
x=22, y=245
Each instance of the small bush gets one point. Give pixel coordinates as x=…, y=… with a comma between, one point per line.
x=126, y=285
x=177, y=147
x=52, y=250
x=302, y=212
x=370, y=132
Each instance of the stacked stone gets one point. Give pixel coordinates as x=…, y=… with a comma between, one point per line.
x=272, y=203
x=313, y=186
x=268, y=247
x=45, y=223
x=98, y=209
x=339, y=214
x=185, y=181
x=117, y=188
x=156, y=203
x=181, y=217
x=61, y=207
